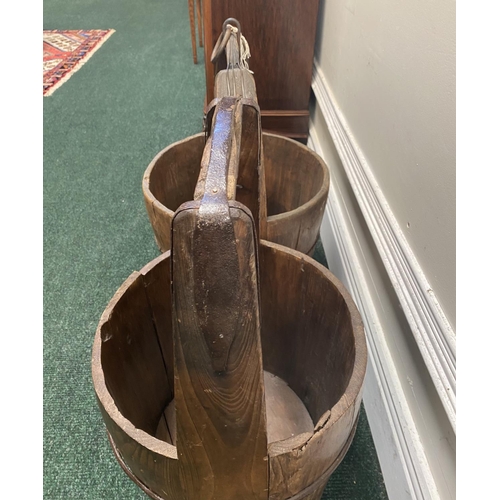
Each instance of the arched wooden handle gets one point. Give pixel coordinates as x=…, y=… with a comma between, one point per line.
x=219, y=382
x=246, y=177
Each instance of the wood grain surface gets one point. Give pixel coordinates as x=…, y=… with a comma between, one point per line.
x=286, y=415
x=219, y=386
x=128, y=394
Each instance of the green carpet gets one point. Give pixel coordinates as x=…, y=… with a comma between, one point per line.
x=137, y=94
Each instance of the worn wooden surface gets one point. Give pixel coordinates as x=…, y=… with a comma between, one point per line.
x=219, y=380
x=130, y=380
x=297, y=183
x=131, y=350
x=169, y=181
x=319, y=351
x=286, y=415
x=328, y=338
x=219, y=391
x=288, y=165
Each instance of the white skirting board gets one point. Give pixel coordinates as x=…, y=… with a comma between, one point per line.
x=402, y=459
x=402, y=456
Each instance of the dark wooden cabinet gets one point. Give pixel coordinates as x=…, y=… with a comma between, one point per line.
x=281, y=36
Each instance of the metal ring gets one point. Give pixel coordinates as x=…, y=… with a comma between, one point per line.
x=221, y=43
x=233, y=21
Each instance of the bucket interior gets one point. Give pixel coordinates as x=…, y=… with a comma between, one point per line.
x=307, y=339
x=287, y=164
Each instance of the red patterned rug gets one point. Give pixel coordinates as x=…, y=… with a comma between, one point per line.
x=65, y=52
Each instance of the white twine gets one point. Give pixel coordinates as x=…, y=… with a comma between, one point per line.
x=244, y=48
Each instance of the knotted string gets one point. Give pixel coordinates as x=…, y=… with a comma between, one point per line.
x=244, y=48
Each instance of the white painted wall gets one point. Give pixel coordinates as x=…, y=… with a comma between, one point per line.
x=387, y=69
x=391, y=67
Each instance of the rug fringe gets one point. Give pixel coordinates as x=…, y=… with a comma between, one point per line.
x=84, y=59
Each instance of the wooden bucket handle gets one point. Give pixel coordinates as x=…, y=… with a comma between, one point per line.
x=246, y=176
x=218, y=370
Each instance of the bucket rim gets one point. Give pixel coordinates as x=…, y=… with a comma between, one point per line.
x=322, y=192
x=351, y=395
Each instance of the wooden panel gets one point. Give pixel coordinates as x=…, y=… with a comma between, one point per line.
x=170, y=185
x=316, y=328
x=281, y=36
x=251, y=184
x=293, y=123
x=294, y=175
x=169, y=181
x=289, y=165
x=132, y=360
x=159, y=294
x=156, y=469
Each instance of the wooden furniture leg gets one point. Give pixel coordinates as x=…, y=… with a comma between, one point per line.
x=198, y=14
x=193, y=29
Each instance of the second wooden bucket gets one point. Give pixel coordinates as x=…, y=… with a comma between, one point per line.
x=296, y=179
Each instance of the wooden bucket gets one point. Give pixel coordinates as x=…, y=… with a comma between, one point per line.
x=314, y=356
x=229, y=367
x=296, y=178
